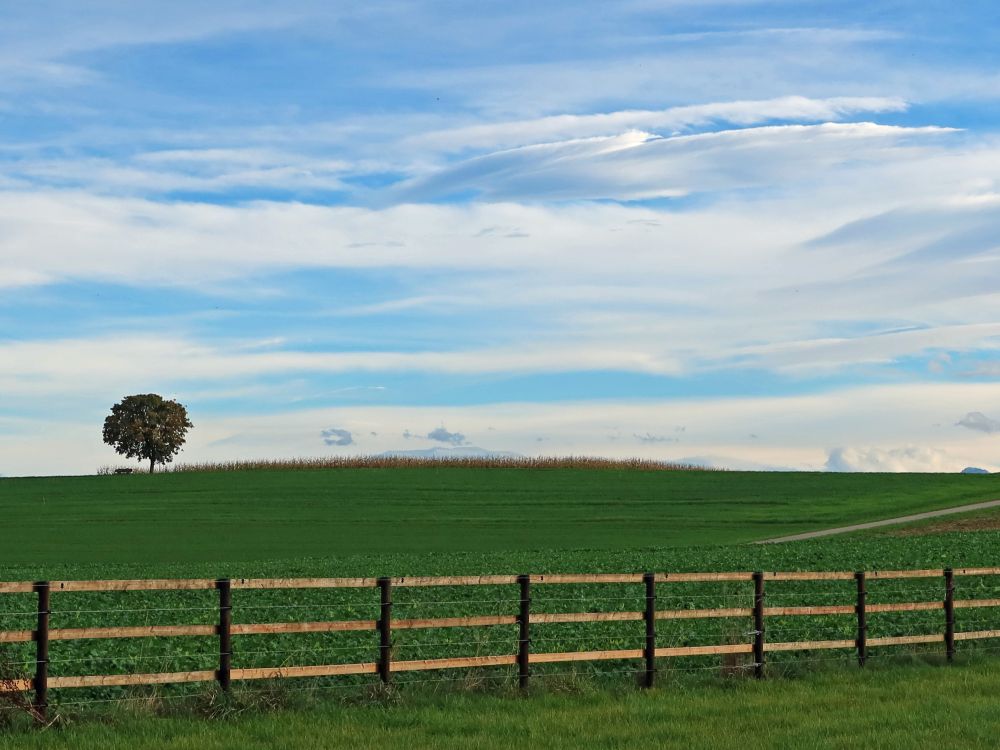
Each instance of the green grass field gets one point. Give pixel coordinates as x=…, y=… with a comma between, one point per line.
x=264, y=515
x=451, y=521
x=905, y=707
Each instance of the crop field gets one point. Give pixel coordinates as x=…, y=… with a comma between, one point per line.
x=244, y=516
x=453, y=522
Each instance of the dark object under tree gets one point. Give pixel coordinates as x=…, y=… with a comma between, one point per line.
x=148, y=427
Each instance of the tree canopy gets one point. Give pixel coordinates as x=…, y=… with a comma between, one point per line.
x=147, y=426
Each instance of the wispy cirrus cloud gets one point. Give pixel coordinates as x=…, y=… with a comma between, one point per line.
x=565, y=127
x=637, y=165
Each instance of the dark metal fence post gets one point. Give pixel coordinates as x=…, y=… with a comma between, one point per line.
x=649, y=615
x=758, y=625
x=949, y=613
x=41, y=637
x=385, y=630
x=524, y=632
x=224, y=585
x=859, y=608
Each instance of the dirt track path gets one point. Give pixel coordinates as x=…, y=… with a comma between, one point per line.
x=886, y=522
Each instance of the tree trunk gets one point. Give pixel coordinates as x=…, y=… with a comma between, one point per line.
x=152, y=463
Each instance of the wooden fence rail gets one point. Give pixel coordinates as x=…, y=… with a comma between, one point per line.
x=522, y=656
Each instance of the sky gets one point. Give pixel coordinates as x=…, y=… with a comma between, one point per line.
x=742, y=234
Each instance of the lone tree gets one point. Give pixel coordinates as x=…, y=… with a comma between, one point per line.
x=147, y=426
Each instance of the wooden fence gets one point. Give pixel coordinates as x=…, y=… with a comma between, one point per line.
x=521, y=655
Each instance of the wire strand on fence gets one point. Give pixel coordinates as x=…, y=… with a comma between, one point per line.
x=418, y=645
x=117, y=610
x=304, y=651
x=422, y=602
x=318, y=605
x=581, y=599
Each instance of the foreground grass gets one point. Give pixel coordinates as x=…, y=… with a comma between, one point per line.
x=914, y=706
x=269, y=515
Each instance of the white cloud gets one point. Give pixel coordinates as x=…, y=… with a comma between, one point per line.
x=442, y=435
x=67, y=28
x=336, y=436
x=976, y=420
x=15, y=277
x=607, y=286
x=907, y=459
x=877, y=347
x=885, y=252
x=636, y=164
x=107, y=365
x=495, y=135
x=989, y=370
x=744, y=61
x=214, y=170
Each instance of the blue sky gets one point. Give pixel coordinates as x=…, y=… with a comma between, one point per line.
x=747, y=234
